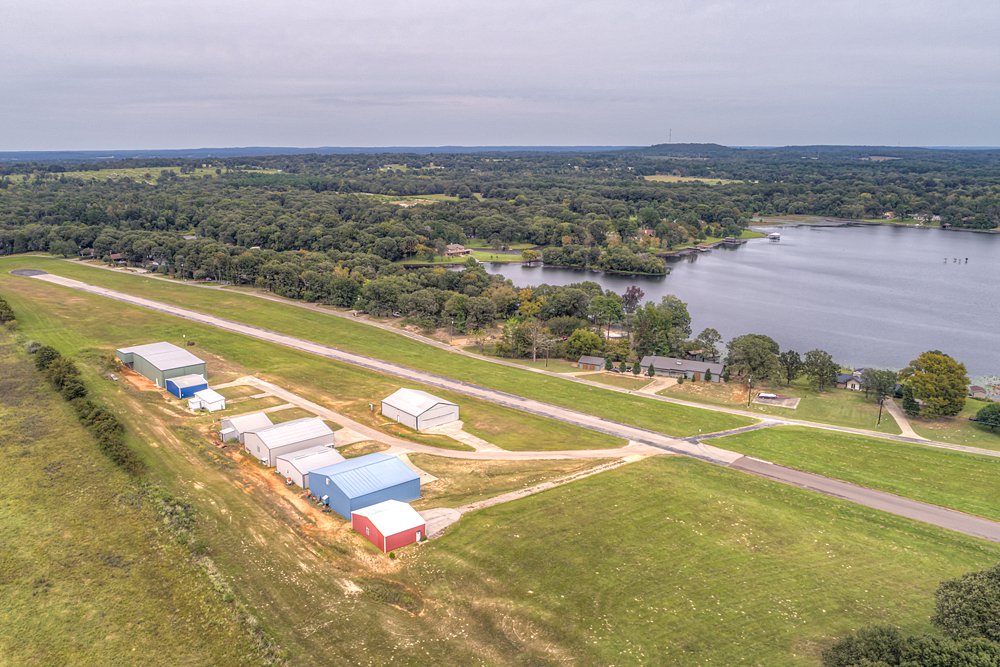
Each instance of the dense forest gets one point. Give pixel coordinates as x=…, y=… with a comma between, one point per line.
x=337, y=229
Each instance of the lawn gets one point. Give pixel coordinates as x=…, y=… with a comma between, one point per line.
x=674, y=561
x=358, y=337
x=461, y=481
x=143, y=174
x=622, y=380
x=87, y=575
x=87, y=323
x=551, y=365
x=963, y=482
x=834, y=406
x=959, y=429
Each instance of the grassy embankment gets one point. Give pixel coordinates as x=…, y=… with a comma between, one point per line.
x=672, y=561
x=358, y=337
x=833, y=406
x=88, y=575
x=959, y=429
x=960, y=481
x=77, y=322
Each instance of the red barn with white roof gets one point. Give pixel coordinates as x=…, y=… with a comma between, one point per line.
x=389, y=525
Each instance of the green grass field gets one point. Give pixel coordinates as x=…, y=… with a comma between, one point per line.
x=621, y=380
x=87, y=575
x=463, y=481
x=834, y=406
x=478, y=255
x=959, y=429
x=963, y=482
x=84, y=322
x=670, y=178
x=358, y=337
x=673, y=561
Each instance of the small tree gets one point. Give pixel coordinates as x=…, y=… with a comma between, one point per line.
x=622, y=367
x=939, y=381
x=636, y=368
x=791, y=365
x=651, y=372
x=909, y=404
x=708, y=375
x=608, y=364
x=819, y=366
x=989, y=416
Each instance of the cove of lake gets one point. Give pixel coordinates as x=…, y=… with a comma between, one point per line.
x=869, y=295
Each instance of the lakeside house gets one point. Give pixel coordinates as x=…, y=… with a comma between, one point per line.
x=588, y=363
x=456, y=250
x=849, y=381
x=688, y=369
x=975, y=391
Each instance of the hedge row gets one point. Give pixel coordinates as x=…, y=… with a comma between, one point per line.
x=106, y=428
x=6, y=313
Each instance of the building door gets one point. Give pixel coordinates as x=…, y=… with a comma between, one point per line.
x=419, y=534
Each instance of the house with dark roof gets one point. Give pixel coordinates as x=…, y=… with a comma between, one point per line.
x=688, y=369
x=849, y=381
x=588, y=363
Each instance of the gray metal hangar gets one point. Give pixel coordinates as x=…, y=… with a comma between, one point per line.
x=161, y=361
x=418, y=409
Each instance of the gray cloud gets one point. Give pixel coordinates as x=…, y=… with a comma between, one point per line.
x=179, y=73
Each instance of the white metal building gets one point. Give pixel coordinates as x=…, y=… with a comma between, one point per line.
x=207, y=399
x=233, y=428
x=296, y=466
x=269, y=443
x=418, y=409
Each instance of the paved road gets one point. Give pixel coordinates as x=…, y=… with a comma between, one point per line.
x=901, y=506
x=887, y=502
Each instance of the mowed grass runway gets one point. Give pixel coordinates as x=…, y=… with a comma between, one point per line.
x=342, y=333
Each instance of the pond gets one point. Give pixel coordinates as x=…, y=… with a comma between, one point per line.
x=869, y=295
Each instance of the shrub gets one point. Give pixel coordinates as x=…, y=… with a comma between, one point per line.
x=877, y=644
x=989, y=416
x=45, y=355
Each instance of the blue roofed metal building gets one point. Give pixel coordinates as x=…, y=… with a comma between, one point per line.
x=363, y=481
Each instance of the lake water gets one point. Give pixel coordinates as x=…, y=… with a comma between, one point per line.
x=871, y=296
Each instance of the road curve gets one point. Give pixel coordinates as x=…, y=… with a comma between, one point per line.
x=911, y=509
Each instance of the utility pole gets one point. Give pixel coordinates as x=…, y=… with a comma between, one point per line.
x=879, y=420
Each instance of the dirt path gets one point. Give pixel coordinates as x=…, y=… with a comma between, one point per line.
x=656, y=385
x=439, y=518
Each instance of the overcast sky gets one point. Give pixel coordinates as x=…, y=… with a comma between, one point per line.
x=171, y=74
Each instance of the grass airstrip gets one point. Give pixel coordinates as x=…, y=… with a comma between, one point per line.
x=358, y=337
x=666, y=560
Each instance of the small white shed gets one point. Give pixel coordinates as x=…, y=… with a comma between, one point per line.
x=418, y=409
x=233, y=428
x=207, y=399
x=296, y=466
x=269, y=443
